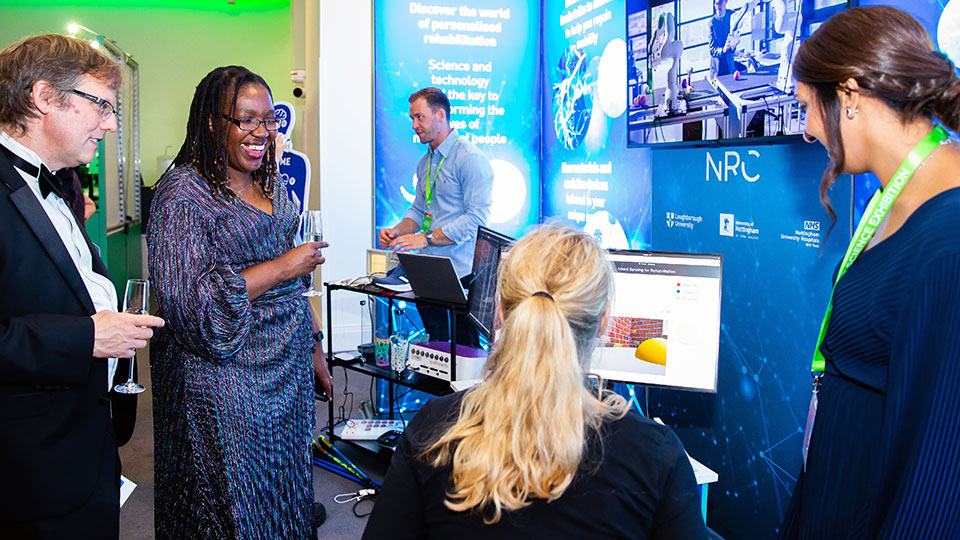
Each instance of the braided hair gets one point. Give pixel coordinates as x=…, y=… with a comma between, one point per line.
x=205, y=146
x=892, y=58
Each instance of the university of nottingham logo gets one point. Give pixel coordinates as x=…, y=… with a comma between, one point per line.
x=726, y=224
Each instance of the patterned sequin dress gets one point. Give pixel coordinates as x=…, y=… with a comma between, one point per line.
x=232, y=379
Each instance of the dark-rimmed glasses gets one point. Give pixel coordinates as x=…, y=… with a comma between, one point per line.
x=251, y=124
x=104, y=107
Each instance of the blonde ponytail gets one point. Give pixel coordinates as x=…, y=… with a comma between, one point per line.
x=521, y=433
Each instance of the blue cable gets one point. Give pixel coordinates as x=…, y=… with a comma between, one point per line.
x=356, y=470
x=338, y=457
x=339, y=471
x=633, y=398
x=353, y=470
x=335, y=470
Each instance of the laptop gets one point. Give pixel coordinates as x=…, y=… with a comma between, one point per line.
x=433, y=277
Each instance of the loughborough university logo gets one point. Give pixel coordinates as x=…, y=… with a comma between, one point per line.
x=670, y=219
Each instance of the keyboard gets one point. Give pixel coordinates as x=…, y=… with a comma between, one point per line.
x=365, y=429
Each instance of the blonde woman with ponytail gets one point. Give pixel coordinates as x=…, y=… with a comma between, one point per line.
x=531, y=452
x=884, y=449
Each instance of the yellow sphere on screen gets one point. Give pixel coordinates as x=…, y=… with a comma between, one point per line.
x=653, y=350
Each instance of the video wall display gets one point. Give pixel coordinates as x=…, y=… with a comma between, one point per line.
x=589, y=179
x=702, y=70
x=484, y=55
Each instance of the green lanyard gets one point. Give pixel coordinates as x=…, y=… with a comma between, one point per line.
x=427, y=216
x=876, y=210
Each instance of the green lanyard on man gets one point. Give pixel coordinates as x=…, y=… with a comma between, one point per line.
x=427, y=216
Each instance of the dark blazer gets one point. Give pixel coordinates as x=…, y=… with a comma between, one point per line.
x=54, y=405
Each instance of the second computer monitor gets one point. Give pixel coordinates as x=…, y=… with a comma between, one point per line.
x=482, y=300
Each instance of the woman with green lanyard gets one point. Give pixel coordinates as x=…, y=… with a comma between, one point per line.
x=882, y=447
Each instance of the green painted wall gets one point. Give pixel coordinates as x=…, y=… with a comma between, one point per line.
x=175, y=43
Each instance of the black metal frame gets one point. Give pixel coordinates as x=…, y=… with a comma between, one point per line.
x=416, y=381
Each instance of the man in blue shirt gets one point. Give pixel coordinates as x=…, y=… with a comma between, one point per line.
x=453, y=194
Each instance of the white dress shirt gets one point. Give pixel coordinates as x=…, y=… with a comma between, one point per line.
x=101, y=290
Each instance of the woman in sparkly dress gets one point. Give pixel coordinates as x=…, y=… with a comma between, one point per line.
x=233, y=371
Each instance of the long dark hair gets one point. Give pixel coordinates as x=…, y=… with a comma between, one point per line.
x=891, y=57
x=205, y=146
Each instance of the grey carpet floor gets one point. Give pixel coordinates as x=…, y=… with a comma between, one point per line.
x=136, y=515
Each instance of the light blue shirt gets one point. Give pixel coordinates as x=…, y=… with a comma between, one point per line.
x=462, y=194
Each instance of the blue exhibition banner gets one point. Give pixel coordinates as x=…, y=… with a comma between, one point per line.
x=294, y=165
x=760, y=207
x=590, y=178
x=484, y=55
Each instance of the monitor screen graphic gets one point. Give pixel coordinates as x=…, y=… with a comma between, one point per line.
x=664, y=327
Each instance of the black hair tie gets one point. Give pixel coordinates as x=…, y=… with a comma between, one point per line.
x=544, y=294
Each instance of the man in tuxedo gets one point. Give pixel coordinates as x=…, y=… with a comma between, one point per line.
x=60, y=333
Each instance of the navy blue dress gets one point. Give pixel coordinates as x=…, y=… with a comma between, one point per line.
x=884, y=458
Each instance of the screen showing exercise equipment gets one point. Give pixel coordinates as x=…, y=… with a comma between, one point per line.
x=701, y=70
x=664, y=327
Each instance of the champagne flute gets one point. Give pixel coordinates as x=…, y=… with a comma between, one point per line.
x=136, y=301
x=312, y=232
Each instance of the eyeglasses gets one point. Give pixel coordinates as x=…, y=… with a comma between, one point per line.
x=251, y=124
x=104, y=107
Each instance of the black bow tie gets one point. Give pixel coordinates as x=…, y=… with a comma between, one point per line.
x=55, y=183
x=49, y=182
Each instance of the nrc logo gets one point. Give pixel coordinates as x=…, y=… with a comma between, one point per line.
x=731, y=164
x=811, y=225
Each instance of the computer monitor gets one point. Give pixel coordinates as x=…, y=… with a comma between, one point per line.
x=664, y=325
x=482, y=301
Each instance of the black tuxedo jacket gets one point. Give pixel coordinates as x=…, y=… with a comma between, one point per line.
x=54, y=406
